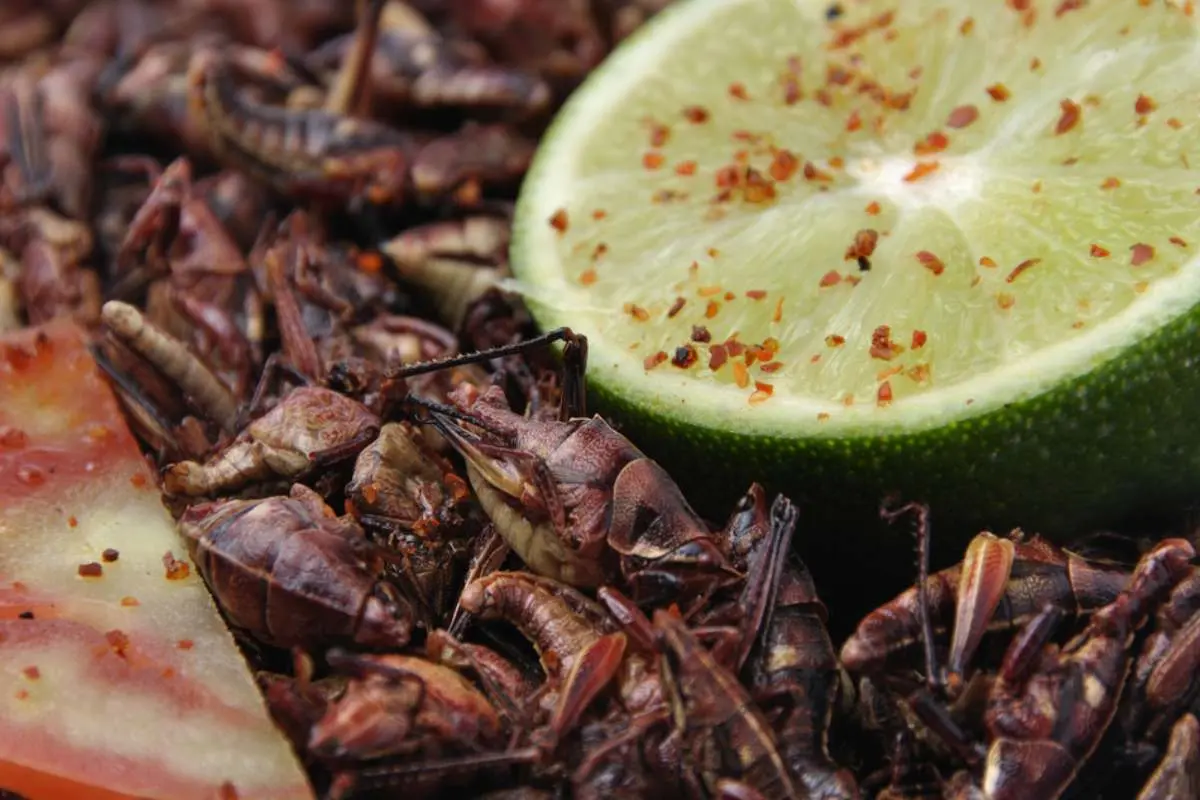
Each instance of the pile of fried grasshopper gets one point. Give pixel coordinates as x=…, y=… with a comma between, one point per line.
x=284, y=224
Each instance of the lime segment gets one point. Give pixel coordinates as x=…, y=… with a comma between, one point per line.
x=870, y=216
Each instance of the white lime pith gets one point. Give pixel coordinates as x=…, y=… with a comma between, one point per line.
x=1017, y=173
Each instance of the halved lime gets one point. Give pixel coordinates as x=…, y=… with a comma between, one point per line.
x=946, y=248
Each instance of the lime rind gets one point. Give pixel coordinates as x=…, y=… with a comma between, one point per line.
x=559, y=175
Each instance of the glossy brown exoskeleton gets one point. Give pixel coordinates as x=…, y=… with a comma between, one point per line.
x=289, y=572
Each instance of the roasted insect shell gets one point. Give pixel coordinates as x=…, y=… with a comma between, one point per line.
x=292, y=574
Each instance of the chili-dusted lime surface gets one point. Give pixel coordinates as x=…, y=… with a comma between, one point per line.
x=910, y=245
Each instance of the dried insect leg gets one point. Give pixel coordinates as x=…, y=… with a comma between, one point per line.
x=1178, y=776
x=1049, y=708
x=723, y=734
x=1164, y=677
x=1040, y=573
x=572, y=636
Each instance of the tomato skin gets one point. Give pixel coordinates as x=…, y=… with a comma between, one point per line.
x=122, y=684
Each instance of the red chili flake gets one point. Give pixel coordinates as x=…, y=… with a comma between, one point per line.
x=931, y=262
x=918, y=373
x=863, y=245
x=739, y=91
x=636, y=311
x=1177, y=241
x=371, y=263
x=882, y=346
x=684, y=357
x=717, y=356
x=1144, y=104
x=599, y=214
x=778, y=315
x=784, y=165
x=110, y=554
x=998, y=92
x=118, y=641
x=1174, y=123
x=138, y=480
x=176, y=569
x=837, y=75
x=918, y=339
x=966, y=26
x=696, y=114
x=854, y=121
x=599, y=251
x=685, y=168
x=1019, y=268
x=21, y=694
x=1070, y=117
x=1005, y=300
x=734, y=347
x=813, y=173
x=1110, y=183
x=935, y=142
x=831, y=278
x=815, y=359
x=227, y=791
x=712, y=309
x=898, y=102
x=588, y=277
x=676, y=307
x=1035, y=64
x=701, y=334
x=31, y=475
x=962, y=116
x=558, y=220
x=833, y=340
x=91, y=569
x=653, y=361
x=771, y=366
x=653, y=160
x=762, y=392
x=987, y=262
x=72, y=522
x=12, y=438
x=792, y=93
x=922, y=169
x=884, y=374
x=730, y=296
x=130, y=602
x=758, y=189
x=728, y=177
x=1141, y=254
x=872, y=208
x=741, y=376
x=756, y=294
x=1099, y=252
x=883, y=397
x=32, y=673
x=1069, y=5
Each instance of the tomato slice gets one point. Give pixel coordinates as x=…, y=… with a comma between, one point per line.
x=118, y=678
